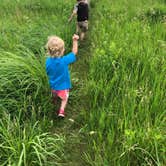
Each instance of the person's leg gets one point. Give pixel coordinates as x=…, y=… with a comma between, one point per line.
x=64, y=94
x=77, y=29
x=84, y=28
x=61, y=112
x=82, y=35
x=63, y=103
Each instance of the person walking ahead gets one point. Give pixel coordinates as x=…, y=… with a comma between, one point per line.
x=57, y=69
x=81, y=9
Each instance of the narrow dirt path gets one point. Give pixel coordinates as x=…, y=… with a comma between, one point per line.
x=75, y=144
x=69, y=127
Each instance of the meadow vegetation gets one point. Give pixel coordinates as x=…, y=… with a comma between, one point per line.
x=26, y=136
x=126, y=84
x=119, y=100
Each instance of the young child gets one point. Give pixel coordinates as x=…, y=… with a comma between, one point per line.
x=57, y=69
x=81, y=9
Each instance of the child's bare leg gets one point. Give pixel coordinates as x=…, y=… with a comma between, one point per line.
x=82, y=35
x=63, y=103
x=61, y=112
x=77, y=29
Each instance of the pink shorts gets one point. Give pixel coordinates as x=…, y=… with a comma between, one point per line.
x=63, y=94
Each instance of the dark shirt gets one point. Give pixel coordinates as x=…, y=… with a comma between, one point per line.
x=82, y=11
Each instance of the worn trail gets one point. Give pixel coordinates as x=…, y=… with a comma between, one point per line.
x=71, y=125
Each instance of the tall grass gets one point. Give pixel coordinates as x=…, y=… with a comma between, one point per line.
x=23, y=81
x=25, y=144
x=25, y=98
x=23, y=36
x=126, y=85
x=25, y=104
x=31, y=22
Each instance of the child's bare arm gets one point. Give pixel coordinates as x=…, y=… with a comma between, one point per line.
x=72, y=15
x=75, y=44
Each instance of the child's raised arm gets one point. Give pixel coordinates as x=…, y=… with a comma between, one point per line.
x=75, y=44
x=72, y=15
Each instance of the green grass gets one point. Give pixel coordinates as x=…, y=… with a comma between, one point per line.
x=126, y=84
x=116, y=111
x=26, y=136
x=25, y=143
x=30, y=23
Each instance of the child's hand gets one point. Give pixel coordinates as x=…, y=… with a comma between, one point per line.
x=75, y=37
x=75, y=44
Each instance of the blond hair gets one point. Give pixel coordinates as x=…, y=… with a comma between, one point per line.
x=55, y=46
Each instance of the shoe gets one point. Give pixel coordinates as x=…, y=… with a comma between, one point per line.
x=61, y=113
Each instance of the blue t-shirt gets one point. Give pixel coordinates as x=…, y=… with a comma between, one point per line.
x=58, y=72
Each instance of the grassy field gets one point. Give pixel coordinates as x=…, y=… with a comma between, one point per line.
x=126, y=84
x=116, y=112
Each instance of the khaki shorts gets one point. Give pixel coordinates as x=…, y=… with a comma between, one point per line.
x=83, y=26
